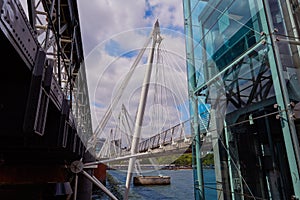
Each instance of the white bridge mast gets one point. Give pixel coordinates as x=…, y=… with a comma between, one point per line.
x=156, y=39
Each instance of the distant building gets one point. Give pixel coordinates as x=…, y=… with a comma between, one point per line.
x=243, y=61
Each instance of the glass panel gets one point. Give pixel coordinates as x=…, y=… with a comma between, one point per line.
x=241, y=109
x=246, y=82
x=229, y=31
x=287, y=36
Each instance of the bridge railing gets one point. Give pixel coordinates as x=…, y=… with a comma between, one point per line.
x=170, y=136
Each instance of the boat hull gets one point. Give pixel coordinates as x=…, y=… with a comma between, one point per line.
x=151, y=180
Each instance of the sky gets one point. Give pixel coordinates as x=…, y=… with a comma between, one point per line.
x=113, y=32
x=102, y=19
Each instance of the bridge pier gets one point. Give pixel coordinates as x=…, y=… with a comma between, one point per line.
x=27, y=181
x=100, y=173
x=85, y=186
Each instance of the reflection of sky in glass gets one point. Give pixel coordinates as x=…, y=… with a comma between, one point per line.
x=228, y=30
x=204, y=114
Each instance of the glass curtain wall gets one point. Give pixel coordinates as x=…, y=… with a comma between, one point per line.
x=243, y=69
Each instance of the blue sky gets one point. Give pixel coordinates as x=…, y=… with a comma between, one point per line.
x=113, y=32
x=102, y=19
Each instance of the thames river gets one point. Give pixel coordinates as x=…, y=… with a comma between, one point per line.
x=181, y=186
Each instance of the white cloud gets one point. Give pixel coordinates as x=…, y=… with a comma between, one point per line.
x=100, y=20
x=169, y=12
x=112, y=28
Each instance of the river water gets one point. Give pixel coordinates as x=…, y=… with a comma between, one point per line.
x=181, y=187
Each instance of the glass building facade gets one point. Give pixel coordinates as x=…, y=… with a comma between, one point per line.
x=243, y=63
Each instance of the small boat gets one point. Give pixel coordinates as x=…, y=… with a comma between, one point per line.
x=151, y=180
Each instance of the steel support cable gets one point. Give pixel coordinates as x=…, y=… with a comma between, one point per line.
x=159, y=81
x=141, y=107
x=238, y=193
x=105, y=147
x=288, y=36
x=126, y=157
x=258, y=117
x=178, y=86
x=228, y=150
x=130, y=124
x=163, y=74
x=119, y=124
x=254, y=118
x=155, y=114
x=119, y=94
x=162, y=77
x=158, y=92
x=161, y=84
x=290, y=42
x=172, y=79
x=177, y=100
x=123, y=127
x=115, y=141
x=126, y=131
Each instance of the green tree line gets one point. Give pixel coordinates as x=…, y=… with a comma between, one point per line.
x=187, y=159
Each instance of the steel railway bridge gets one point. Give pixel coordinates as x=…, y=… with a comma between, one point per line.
x=43, y=98
x=44, y=106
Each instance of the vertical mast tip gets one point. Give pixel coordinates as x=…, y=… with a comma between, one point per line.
x=156, y=23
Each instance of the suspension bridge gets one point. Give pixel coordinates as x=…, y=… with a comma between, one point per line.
x=48, y=120
x=46, y=131
x=48, y=149
x=170, y=141
x=132, y=140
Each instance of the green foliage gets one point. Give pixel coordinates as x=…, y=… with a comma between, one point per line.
x=186, y=160
x=167, y=159
x=208, y=159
